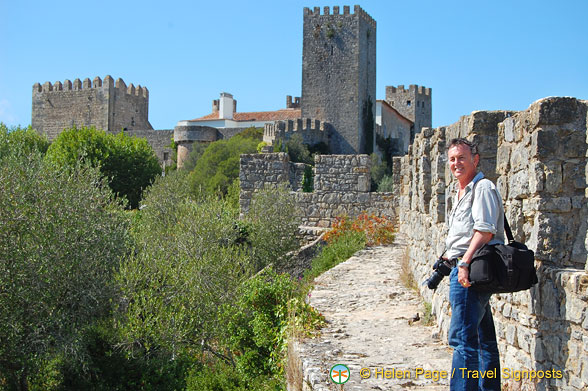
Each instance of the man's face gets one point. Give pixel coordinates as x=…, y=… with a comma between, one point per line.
x=462, y=163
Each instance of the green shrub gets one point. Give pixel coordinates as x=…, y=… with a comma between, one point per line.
x=257, y=323
x=220, y=376
x=386, y=184
x=186, y=264
x=336, y=252
x=273, y=226
x=129, y=163
x=21, y=141
x=61, y=240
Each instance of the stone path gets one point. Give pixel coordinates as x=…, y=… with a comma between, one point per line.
x=369, y=314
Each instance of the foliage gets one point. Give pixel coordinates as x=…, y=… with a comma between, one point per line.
x=308, y=180
x=273, y=226
x=298, y=151
x=21, y=141
x=257, y=323
x=220, y=376
x=378, y=171
x=129, y=163
x=339, y=249
x=377, y=230
x=62, y=238
x=218, y=166
x=261, y=145
x=386, y=185
x=196, y=153
x=186, y=264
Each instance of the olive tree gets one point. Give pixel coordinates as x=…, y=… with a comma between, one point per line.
x=61, y=238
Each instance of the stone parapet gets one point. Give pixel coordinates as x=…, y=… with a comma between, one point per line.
x=538, y=159
x=311, y=130
x=341, y=186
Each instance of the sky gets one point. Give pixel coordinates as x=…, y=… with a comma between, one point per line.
x=475, y=55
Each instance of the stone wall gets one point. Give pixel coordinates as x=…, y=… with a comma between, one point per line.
x=341, y=186
x=538, y=159
x=104, y=104
x=414, y=103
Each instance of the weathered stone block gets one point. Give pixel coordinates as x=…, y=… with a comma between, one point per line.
x=556, y=110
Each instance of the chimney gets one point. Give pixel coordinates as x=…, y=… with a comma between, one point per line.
x=226, y=106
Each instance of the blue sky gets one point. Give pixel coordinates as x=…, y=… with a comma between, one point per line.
x=475, y=55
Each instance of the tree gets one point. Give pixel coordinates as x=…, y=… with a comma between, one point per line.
x=62, y=237
x=187, y=263
x=21, y=141
x=129, y=163
x=218, y=167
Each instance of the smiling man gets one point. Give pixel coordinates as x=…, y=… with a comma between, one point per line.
x=473, y=222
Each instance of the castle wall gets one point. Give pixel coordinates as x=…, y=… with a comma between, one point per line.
x=311, y=131
x=103, y=104
x=341, y=186
x=539, y=161
x=339, y=74
x=59, y=106
x=130, y=107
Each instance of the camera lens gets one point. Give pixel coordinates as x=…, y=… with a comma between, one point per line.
x=434, y=280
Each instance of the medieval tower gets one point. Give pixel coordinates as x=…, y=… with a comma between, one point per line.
x=414, y=104
x=339, y=75
x=104, y=104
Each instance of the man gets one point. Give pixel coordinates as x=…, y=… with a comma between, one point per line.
x=472, y=224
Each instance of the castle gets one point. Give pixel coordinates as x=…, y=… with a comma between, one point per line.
x=338, y=105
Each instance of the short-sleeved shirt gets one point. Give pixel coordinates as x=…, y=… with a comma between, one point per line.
x=485, y=214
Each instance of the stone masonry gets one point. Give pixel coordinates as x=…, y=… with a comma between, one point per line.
x=104, y=104
x=339, y=75
x=538, y=158
x=341, y=186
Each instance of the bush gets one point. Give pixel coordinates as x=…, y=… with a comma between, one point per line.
x=273, y=226
x=257, y=324
x=20, y=141
x=62, y=238
x=338, y=250
x=377, y=230
x=386, y=185
x=129, y=163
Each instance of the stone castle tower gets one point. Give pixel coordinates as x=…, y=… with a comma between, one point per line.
x=414, y=104
x=105, y=104
x=339, y=75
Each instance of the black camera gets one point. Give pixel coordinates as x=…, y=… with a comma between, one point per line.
x=441, y=269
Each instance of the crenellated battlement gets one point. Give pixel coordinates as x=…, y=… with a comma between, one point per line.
x=86, y=84
x=312, y=130
x=413, y=88
x=357, y=10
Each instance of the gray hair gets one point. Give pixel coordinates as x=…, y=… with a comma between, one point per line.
x=462, y=141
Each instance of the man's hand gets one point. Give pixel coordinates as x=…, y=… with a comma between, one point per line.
x=463, y=274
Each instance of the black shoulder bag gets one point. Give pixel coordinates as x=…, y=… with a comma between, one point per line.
x=502, y=268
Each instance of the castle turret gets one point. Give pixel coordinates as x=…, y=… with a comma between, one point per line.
x=103, y=104
x=339, y=75
x=413, y=103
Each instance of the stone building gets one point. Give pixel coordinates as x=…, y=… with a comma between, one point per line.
x=413, y=103
x=104, y=104
x=339, y=75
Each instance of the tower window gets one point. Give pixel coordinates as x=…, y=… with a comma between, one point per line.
x=408, y=103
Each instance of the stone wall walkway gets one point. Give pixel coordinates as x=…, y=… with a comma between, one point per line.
x=370, y=325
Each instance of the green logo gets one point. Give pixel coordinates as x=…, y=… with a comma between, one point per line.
x=339, y=374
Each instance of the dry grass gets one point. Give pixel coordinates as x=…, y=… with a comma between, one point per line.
x=406, y=276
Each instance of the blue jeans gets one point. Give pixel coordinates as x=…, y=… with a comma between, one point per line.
x=476, y=364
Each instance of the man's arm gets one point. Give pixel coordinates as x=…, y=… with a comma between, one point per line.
x=478, y=240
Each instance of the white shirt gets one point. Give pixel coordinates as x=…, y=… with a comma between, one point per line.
x=485, y=214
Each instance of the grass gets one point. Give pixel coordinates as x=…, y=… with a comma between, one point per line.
x=406, y=276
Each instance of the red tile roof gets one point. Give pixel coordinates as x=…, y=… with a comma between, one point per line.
x=277, y=115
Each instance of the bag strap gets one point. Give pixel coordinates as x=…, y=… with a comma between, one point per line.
x=506, y=225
